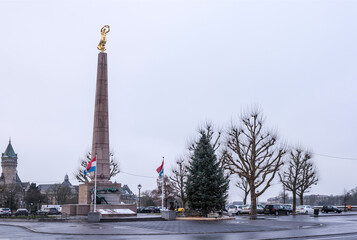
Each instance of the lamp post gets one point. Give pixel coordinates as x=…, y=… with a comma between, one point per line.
x=139, y=187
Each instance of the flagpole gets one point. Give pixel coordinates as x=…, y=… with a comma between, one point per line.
x=162, y=191
x=95, y=185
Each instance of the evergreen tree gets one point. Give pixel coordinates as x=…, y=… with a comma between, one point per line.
x=33, y=196
x=206, y=184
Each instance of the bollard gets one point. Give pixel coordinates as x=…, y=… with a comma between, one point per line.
x=316, y=212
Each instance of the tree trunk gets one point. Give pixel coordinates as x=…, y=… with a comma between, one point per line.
x=301, y=199
x=245, y=198
x=294, y=201
x=253, y=201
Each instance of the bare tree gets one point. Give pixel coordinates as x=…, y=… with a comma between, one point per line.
x=252, y=152
x=345, y=198
x=244, y=186
x=292, y=177
x=114, y=166
x=147, y=199
x=79, y=173
x=178, y=177
x=309, y=178
x=11, y=195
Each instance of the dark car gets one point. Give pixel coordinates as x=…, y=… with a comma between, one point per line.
x=288, y=207
x=140, y=210
x=156, y=210
x=21, y=212
x=147, y=209
x=52, y=211
x=275, y=209
x=327, y=209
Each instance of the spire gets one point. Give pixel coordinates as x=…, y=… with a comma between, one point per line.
x=66, y=181
x=9, y=152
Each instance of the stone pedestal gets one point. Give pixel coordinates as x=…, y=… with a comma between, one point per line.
x=168, y=215
x=93, y=217
x=85, y=192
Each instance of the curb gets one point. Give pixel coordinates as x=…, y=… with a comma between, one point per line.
x=204, y=219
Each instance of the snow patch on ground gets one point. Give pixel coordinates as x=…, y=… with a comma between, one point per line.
x=115, y=211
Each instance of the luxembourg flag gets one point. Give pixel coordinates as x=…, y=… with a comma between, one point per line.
x=160, y=170
x=92, y=165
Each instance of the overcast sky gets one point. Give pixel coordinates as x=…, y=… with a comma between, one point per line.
x=173, y=65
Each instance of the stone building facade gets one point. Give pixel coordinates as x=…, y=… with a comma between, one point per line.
x=12, y=189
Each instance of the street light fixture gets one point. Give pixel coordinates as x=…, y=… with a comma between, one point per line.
x=139, y=187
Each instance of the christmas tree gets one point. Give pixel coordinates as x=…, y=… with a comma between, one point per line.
x=206, y=185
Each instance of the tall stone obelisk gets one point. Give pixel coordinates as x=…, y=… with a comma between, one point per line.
x=100, y=143
x=109, y=200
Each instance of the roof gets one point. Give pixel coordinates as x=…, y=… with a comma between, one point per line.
x=66, y=181
x=9, y=152
x=126, y=190
x=45, y=187
x=18, y=180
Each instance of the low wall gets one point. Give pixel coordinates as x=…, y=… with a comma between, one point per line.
x=76, y=209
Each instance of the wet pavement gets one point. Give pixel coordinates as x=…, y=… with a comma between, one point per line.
x=242, y=227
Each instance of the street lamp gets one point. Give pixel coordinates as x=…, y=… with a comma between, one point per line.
x=139, y=187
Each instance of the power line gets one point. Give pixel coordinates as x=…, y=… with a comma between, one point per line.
x=329, y=156
x=136, y=175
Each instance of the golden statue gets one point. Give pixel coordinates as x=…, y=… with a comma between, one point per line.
x=103, y=38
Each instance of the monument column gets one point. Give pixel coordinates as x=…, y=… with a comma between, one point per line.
x=100, y=143
x=110, y=193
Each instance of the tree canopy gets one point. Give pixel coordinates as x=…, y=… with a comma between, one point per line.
x=206, y=185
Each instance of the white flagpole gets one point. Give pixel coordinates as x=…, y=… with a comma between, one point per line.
x=162, y=191
x=95, y=185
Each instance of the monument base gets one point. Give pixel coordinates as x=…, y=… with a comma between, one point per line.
x=110, y=207
x=93, y=217
x=106, y=210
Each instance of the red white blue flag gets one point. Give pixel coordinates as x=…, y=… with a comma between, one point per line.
x=92, y=165
x=160, y=170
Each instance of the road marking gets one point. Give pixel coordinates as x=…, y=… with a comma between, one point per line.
x=340, y=237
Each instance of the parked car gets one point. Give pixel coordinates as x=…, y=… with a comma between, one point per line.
x=140, y=209
x=21, y=212
x=5, y=212
x=275, y=209
x=42, y=211
x=260, y=209
x=151, y=209
x=304, y=209
x=288, y=207
x=327, y=209
x=246, y=209
x=156, y=210
x=234, y=210
x=52, y=211
x=180, y=210
x=147, y=209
